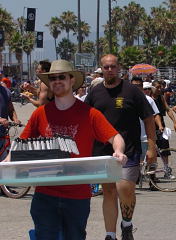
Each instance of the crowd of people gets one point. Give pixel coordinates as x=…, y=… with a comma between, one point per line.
x=119, y=117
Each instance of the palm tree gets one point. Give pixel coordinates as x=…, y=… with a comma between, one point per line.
x=128, y=22
x=159, y=55
x=68, y=22
x=147, y=30
x=85, y=30
x=172, y=56
x=6, y=21
x=6, y=25
x=28, y=46
x=66, y=49
x=130, y=56
x=55, y=29
x=171, y=4
x=21, y=22
x=88, y=47
x=103, y=46
x=165, y=25
x=15, y=45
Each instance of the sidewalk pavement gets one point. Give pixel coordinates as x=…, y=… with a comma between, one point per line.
x=154, y=216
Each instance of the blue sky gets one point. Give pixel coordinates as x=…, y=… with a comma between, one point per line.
x=48, y=8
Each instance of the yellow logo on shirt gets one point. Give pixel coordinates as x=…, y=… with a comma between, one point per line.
x=119, y=102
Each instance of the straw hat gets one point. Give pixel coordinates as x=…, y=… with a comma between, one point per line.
x=63, y=66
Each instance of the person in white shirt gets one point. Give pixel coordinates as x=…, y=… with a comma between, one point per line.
x=99, y=77
x=146, y=88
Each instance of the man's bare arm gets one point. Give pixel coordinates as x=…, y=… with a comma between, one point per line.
x=119, y=148
x=149, y=124
x=12, y=113
x=158, y=122
x=43, y=94
x=169, y=112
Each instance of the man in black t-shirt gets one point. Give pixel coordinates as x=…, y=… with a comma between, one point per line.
x=122, y=104
x=6, y=110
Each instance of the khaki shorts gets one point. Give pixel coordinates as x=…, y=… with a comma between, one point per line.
x=131, y=173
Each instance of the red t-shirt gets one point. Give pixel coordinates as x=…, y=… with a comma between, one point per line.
x=81, y=122
x=7, y=82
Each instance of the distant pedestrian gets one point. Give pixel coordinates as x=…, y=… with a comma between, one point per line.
x=6, y=81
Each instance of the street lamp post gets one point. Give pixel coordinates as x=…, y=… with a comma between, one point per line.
x=98, y=24
x=22, y=45
x=110, y=28
x=79, y=28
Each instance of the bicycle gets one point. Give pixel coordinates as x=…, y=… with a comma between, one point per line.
x=96, y=189
x=11, y=191
x=157, y=176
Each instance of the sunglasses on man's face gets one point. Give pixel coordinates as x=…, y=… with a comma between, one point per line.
x=147, y=88
x=58, y=77
x=106, y=67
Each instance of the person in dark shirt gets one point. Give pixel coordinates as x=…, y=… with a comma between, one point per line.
x=122, y=104
x=6, y=110
x=163, y=107
x=6, y=81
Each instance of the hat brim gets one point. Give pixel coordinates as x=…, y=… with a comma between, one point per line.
x=78, y=75
x=148, y=87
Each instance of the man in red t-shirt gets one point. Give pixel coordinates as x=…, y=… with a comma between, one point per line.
x=65, y=209
x=7, y=81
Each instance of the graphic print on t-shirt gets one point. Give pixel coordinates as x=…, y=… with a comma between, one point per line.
x=119, y=102
x=71, y=130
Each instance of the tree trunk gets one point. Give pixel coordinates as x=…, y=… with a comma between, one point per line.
x=110, y=28
x=56, y=48
x=79, y=28
x=98, y=24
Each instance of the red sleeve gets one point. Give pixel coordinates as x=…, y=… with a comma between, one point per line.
x=31, y=129
x=102, y=128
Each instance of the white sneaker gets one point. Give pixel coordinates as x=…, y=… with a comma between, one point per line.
x=169, y=176
x=172, y=177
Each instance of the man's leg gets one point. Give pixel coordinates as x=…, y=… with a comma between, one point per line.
x=127, y=198
x=75, y=216
x=110, y=208
x=126, y=190
x=45, y=215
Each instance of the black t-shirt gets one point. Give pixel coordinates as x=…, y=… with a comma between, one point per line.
x=122, y=106
x=4, y=102
x=162, y=110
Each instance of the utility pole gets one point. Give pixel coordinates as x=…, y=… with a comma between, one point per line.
x=79, y=28
x=110, y=28
x=98, y=31
x=22, y=36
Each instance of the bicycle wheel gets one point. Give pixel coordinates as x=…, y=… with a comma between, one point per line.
x=15, y=192
x=165, y=178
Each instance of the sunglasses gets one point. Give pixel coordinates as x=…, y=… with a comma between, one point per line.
x=138, y=85
x=106, y=67
x=54, y=78
x=147, y=88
